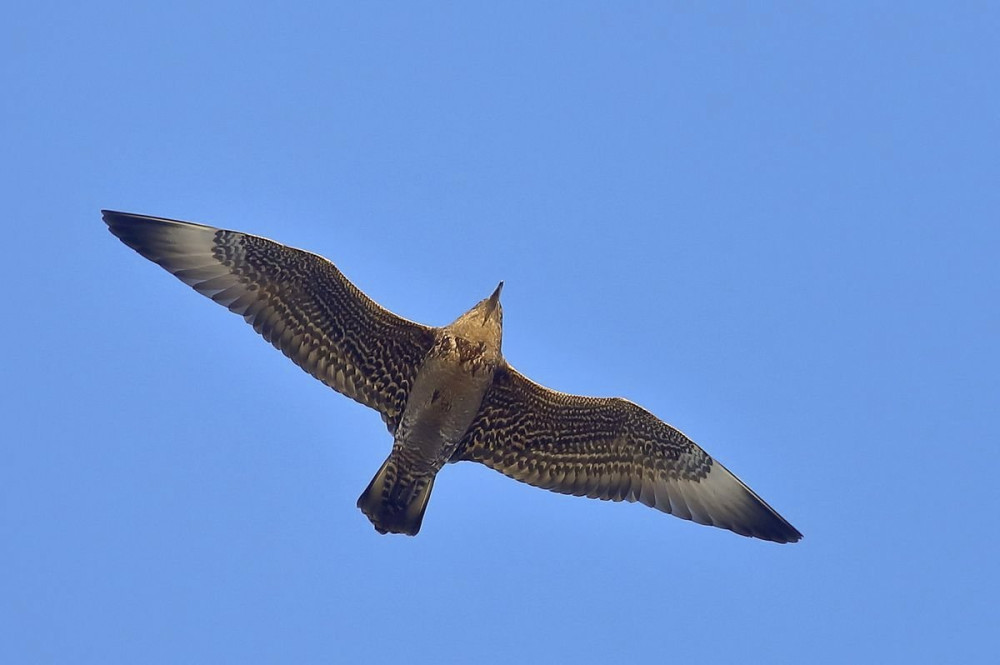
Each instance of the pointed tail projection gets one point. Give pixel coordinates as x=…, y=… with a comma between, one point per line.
x=396, y=503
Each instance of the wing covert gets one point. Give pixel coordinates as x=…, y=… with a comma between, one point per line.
x=611, y=449
x=298, y=301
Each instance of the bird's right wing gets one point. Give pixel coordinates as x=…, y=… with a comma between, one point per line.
x=298, y=301
x=612, y=449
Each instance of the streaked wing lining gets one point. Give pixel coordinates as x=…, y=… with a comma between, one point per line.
x=298, y=301
x=612, y=449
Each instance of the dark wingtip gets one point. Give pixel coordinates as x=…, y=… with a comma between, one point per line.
x=112, y=217
x=117, y=223
x=788, y=537
x=117, y=220
x=774, y=527
x=779, y=531
x=122, y=225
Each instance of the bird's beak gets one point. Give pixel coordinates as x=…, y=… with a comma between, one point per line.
x=494, y=300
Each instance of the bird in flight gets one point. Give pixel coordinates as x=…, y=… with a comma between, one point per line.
x=447, y=394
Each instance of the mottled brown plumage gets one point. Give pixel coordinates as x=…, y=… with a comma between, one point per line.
x=446, y=394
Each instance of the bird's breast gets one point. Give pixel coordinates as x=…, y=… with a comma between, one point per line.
x=444, y=399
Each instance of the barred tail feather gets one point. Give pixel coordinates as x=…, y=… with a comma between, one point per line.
x=396, y=503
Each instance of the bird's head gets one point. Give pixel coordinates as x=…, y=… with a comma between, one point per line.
x=482, y=323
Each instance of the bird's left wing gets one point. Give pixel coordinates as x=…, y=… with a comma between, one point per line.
x=298, y=301
x=612, y=449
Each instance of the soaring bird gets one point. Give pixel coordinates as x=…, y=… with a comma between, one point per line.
x=447, y=394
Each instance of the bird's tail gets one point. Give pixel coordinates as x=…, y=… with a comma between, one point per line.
x=395, y=502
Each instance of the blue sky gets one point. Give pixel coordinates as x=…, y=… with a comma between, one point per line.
x=775, y=227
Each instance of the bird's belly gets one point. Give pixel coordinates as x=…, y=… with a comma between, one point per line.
x=442, y=404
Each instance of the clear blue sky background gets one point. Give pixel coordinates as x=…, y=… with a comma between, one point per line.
x=776, y=228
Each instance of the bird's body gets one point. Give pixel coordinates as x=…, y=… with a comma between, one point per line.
x=445, y=398
x=447, y=394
